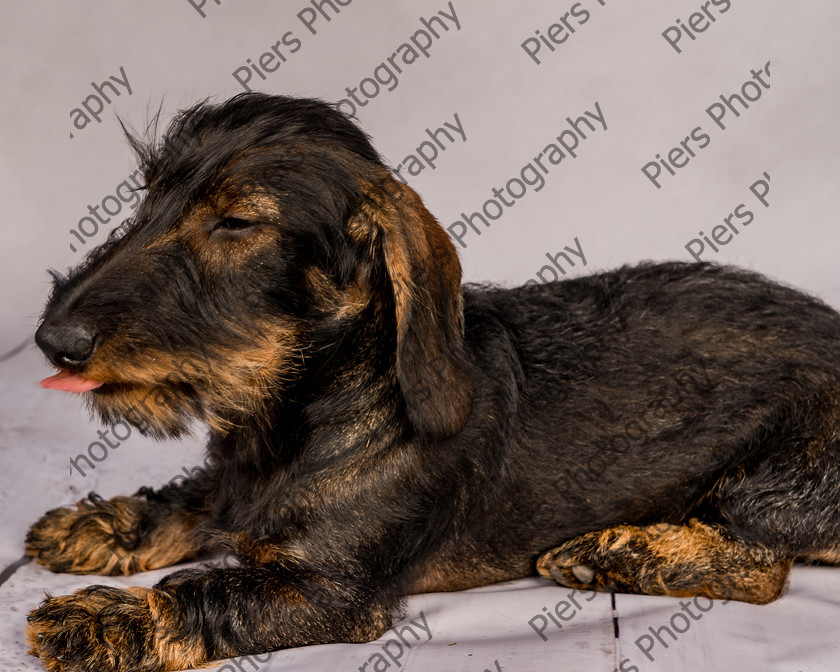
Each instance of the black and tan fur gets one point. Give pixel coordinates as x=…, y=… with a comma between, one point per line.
x=378, y=430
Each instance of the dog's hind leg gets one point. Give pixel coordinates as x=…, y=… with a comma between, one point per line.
x=780, y=503
x=676, y=560
x=122, y=535
x=788, y=496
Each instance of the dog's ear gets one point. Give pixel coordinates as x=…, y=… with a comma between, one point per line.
x=425, y=275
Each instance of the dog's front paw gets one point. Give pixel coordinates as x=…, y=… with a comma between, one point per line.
x=97, y=628
x=94, y=537
x=103, y=629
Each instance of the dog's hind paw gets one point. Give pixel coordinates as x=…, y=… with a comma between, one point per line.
x=664, y=559
x=621, y=559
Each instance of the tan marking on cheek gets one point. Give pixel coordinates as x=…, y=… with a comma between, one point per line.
x=267, y=347
x=249, y=377
x=147, y=367
x=360, y=228
x=235, y=380
x=342, y=304
x=323, y=288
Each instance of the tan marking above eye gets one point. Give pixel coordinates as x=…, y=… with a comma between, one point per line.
x=253, y=206
x=233, y=203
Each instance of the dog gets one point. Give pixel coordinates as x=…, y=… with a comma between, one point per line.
x=379, y=430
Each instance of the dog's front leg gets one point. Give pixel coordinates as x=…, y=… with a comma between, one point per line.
x=195, y=616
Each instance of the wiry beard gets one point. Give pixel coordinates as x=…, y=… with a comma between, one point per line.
x=163, y=394
x=160, y=411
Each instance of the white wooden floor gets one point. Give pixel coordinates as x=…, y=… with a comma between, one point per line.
x=492, y=628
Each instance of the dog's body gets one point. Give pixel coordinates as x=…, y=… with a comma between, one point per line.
x=378, y=431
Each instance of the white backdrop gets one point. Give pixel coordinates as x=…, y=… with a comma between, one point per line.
x=550, y=119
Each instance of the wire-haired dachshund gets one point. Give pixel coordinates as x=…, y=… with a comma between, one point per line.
x=377, y=429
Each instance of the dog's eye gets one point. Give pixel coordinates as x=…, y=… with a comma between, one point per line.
x=234, y=224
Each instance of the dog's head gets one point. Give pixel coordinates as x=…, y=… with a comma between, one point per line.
x=269, y=228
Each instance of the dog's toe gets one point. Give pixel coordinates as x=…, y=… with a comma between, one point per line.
x=583, y=573
x=581, y=577
x=577, y=564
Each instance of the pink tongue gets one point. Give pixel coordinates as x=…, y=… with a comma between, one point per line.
x=69, y=382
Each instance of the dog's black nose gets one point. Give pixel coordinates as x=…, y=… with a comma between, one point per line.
x=68, y=344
